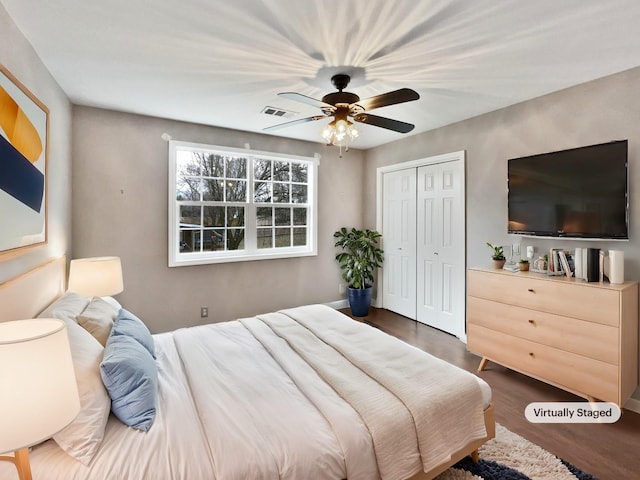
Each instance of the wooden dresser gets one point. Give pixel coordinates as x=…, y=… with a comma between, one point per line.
x=579, y=336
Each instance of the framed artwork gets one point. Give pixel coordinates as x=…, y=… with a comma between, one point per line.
x=24, y=132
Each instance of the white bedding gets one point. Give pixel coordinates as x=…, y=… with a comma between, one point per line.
x=236, y=401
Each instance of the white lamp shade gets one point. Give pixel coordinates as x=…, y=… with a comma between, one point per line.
x=97, y=276
x=39, y=395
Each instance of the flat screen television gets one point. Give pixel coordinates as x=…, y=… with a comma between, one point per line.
x=576, y=193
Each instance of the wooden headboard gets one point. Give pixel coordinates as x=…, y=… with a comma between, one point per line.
x=27, y=295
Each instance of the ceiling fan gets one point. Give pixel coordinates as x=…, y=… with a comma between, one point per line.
x=342, y=105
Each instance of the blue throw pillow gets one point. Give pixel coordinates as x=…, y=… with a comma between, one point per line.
x=126, y=323
x=130, y=375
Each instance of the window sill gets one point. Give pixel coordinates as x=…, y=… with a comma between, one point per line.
x=186, y=260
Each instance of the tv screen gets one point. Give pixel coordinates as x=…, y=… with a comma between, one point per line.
x=581, y=193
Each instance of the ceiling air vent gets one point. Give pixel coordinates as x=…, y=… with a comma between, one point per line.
x=278, y=112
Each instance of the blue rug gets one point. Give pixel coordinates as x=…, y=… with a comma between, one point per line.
x=511, y=457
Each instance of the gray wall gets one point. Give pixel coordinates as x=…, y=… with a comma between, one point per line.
x=120, y=177
x=595, y=112
x=17, y=55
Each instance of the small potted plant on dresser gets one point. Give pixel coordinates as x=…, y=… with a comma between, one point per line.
x=359, y=257
x=497, y=255
x=523, y=264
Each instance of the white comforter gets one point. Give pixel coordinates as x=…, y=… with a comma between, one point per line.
x=305, y=393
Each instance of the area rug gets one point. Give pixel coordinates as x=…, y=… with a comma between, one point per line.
x=511, y=457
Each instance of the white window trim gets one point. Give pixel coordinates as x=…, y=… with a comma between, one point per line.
x=177, y=259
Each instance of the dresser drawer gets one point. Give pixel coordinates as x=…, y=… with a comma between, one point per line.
x=582, y=301
x=588, y=339
x=567, y=370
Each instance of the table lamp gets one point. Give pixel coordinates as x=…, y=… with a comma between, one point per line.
x=39, y=391
x=96, y=276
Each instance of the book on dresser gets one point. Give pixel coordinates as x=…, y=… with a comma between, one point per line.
x=579, y=336
x=564, y=262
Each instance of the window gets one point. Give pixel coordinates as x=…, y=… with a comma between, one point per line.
x=229, y=204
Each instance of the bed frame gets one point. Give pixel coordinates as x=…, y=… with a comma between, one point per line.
x=30, y=293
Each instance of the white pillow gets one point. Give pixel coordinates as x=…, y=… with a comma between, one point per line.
x=97, y=319
x=112, y=301
x=67, y=307
x=82, y=438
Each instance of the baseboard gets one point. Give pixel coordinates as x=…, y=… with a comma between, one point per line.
x=344, y=303
x=633, y=405
x=338, y=304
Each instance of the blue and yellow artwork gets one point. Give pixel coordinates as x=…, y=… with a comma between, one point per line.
x=23, y=162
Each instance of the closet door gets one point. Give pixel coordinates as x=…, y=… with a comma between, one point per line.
x=399, y=234
x=441, y=247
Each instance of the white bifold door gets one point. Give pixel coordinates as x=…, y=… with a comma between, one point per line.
x=399, y=236
x=424, y=242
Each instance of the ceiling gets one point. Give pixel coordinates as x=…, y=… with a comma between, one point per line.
x=221, y=62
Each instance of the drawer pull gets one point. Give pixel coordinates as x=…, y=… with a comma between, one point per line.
x=530, y=290
x=531, y=354
x=532, y=322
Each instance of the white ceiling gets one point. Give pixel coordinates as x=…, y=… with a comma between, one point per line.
x=220, y=62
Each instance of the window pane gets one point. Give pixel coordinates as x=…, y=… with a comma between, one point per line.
x=281, y=192
x=299, y=172
x=188, y=240
x=235, y=239
x=187, y=163
x=213, y=240
x=262, y=192
x=213, y=216
x=281, y=171
x=299, y=216
x=236, y=167
x=265, y=237
x=283, y=216
x=299, y=237
x=212, y=164
x=283, y=237
x=299, y=193
x=212, y=190
x=208, y=240
x=189, y=216
x=262, y=170
x=236, y=191
x=264, y=216
x=188, y=188
x=235, y=216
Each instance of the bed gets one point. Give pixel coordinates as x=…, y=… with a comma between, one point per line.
x=303, y=393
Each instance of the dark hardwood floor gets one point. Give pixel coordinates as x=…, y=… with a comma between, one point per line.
x=606, y=451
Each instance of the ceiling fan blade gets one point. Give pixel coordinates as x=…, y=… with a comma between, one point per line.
x=389, y=98
x=388, y=123
x=294, y=122
x=298, y=97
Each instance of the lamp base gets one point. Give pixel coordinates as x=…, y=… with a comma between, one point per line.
x=21, y=460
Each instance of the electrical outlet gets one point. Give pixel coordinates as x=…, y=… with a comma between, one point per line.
x=342, y=288
x=204, y=311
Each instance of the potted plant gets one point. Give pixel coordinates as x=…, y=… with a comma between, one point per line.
x=497, y=255
x=359, y=257
x=523, y=264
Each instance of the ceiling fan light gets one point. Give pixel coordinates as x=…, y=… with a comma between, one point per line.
x=327, y=133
